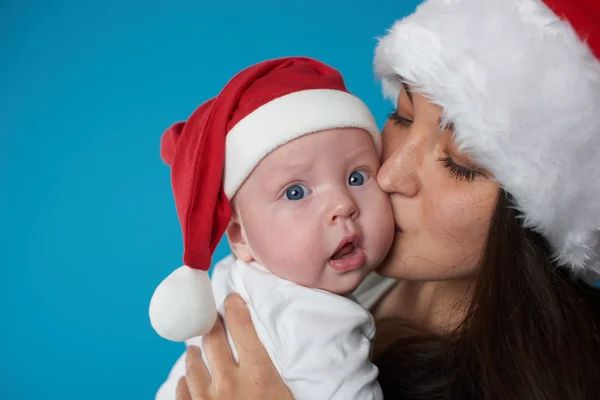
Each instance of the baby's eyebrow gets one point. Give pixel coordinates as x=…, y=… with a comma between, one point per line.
x=294, y=167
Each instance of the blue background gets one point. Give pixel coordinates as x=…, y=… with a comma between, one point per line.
x=88, y=221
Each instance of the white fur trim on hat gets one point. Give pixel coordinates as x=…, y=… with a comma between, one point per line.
x=523, y=93
x=183, y=305
x=286, y=118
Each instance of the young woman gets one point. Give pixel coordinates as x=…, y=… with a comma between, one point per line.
x=492, y=161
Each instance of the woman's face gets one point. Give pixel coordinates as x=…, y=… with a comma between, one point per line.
x=442, y=202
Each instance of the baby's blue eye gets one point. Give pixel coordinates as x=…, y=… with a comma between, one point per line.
x=357, y=178
x=296, y=192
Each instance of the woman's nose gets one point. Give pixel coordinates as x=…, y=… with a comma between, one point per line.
x=342, y=208
x=399, y=171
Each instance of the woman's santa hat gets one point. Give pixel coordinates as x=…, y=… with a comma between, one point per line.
x=214, y=151
x=520, y=81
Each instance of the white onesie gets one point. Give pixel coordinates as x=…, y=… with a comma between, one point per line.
x=319, y=342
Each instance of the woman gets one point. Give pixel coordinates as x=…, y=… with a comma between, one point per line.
x=492, y=162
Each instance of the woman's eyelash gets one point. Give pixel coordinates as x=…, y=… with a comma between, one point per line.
x=397, y=119
x=458, y=171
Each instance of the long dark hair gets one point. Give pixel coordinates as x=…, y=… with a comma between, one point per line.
x=532, y=331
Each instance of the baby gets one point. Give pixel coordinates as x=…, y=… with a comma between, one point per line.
x=284, y=161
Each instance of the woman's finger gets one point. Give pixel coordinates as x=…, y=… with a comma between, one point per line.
x=248, y=345
x=182, y=392
x=196, y=375
x=217, y=350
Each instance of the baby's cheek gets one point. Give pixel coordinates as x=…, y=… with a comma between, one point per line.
x=298, y=257
x=379, y=219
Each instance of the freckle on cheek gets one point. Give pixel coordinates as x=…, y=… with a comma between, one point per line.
x=419, y=158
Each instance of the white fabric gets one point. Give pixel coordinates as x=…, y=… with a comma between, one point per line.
x=287, y=118
x=319, y=342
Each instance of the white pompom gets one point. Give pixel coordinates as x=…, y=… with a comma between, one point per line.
x=183, y=305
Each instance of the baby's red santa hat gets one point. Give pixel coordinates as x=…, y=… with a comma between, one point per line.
x=520, y=81
x=214, y=151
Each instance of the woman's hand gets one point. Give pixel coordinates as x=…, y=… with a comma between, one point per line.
x=254, y=377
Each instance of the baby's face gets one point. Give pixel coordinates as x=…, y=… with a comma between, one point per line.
x=312, y=212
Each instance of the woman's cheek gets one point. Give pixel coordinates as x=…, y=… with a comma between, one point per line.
x=465, y=220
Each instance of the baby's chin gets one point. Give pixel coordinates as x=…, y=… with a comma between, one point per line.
x=345, y=284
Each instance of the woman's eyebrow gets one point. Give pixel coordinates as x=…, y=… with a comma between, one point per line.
x=408, y=92
x=446, y=125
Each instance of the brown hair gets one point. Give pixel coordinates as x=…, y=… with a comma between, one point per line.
x=532, y=331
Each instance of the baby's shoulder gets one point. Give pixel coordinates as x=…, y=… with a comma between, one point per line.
x=276, y=299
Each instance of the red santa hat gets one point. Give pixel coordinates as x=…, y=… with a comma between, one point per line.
x=214, y=151
x=520, y=81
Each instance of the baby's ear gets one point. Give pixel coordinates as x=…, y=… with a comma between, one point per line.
x=237, y=240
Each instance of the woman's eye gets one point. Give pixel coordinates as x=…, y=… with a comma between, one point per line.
x=357, y=178
x=399, y=120
x=296, y=192
x=458, y=171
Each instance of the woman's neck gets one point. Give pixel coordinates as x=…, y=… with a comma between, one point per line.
x=439, y=306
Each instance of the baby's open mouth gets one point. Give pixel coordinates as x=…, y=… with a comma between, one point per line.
x=349, y=256
x=345, y=251
x=347, y=248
